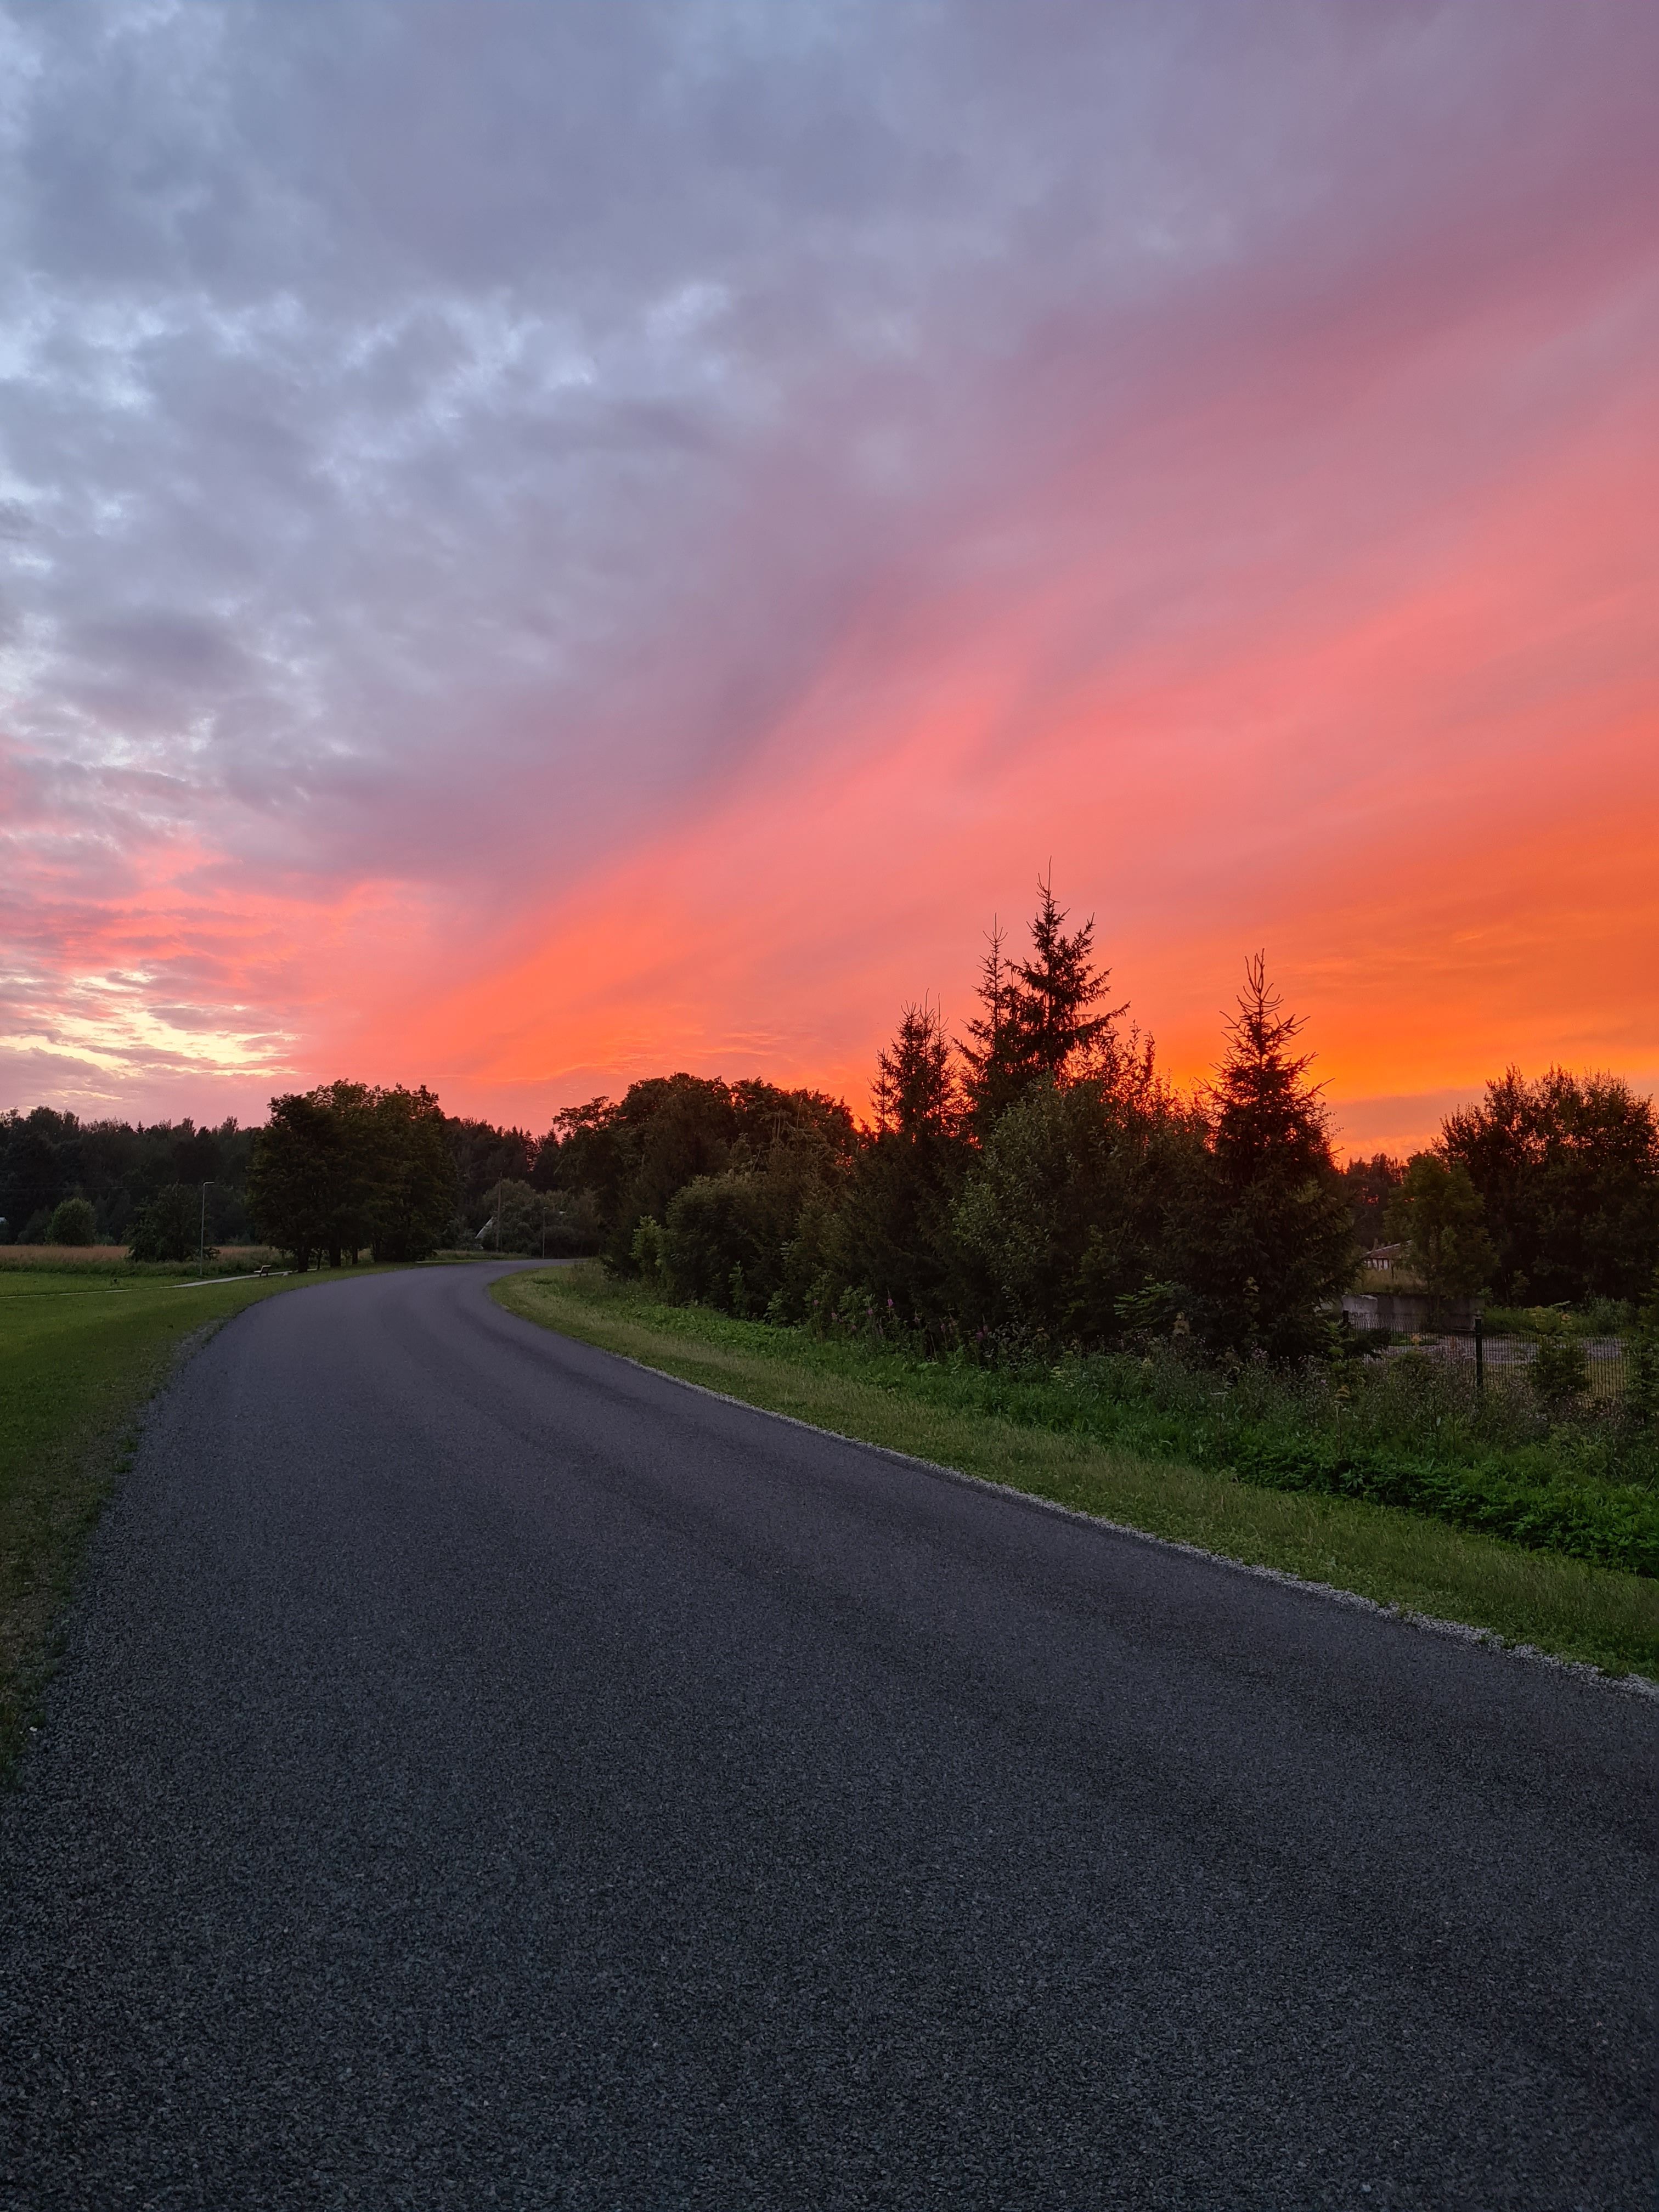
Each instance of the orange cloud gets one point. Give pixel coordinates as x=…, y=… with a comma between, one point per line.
x=1283, y=575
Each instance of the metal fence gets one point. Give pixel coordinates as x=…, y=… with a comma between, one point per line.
x=1502, y=1359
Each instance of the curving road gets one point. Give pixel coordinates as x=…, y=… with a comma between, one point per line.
x=486, y=1774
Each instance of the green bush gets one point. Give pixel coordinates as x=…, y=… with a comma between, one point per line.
x=73, y=1222
x=1561, y=1373
x=722, y=1243
x=1075, y=1199
x=647, y=1254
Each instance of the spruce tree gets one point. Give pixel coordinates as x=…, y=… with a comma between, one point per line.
x=1282, y=1239
x=1038, y=1020
x=916, y=1091
x=1058, y=985
x=991, y=1052
x=891, y=1232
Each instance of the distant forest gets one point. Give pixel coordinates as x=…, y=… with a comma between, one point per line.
x=1037, y=1176
x=121, y=1168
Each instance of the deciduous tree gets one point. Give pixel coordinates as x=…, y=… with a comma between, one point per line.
x=73, y=1222
x=170, y=1226
x=1079, y=1197
x=1438, y=1215
x=300, y=1176
x=1567, y=1168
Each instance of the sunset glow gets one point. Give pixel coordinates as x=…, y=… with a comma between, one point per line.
x=549, y=545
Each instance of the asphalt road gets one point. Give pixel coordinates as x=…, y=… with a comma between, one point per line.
x=485, y=1774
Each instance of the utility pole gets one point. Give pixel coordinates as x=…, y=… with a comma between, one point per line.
x=500, y=1187
x=201, y=1237
x=543, y=1229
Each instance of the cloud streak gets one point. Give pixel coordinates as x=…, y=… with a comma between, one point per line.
x=538, y=542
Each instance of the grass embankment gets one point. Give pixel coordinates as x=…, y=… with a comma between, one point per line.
x=1559, y=1605
x=78, y=1359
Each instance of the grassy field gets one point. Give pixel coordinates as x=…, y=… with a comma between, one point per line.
x=82, y=1348
x=110, y=1261
x=1558, y=1605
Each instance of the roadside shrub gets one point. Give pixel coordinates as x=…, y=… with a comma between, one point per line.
x=647, y=1253
x=722, y=1243
x=1406, y=1430
x=1560, y=1373
x=1075, y=1198
x=73, y=1222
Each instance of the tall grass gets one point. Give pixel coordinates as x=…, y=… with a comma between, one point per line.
x=1566, y=1473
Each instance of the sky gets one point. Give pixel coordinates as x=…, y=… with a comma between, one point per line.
x=548, y=541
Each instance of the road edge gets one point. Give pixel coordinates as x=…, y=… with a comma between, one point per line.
x=1581, y=1671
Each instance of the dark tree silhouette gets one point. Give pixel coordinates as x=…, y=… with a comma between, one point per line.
x=1282, y=1240
x=170, y=1226
x=1567, y=1168
x=298, y=1178
x=1436, y=1214
x=1369, y=1185
x=346, y=1166
x=916, y=1091
x=413, y=1185
x=1038, y=1018
x=891, y=1234
x=634, y=1156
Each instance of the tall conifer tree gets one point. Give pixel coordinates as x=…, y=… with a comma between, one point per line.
x=1039, y=1017
x=1282, y=1237
x=916, y=1091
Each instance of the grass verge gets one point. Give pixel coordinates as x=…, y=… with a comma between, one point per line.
x=1561, y=1606
x=78, y=1360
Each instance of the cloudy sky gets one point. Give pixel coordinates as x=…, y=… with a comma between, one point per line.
x=542, y=543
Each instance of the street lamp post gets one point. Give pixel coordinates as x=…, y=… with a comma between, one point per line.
x=201, y=1237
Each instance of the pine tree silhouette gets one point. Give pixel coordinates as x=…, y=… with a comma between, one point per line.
x=1265, y=1108
x=1281, y=1240
x=916, y=1091
x=1036, y=1021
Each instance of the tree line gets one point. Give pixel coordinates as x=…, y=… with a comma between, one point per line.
x=95, y=1179
x=1040, y=1174
x=1037, y=1174
x=161, y=1189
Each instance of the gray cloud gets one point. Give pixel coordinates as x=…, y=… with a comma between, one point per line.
x=438, y=437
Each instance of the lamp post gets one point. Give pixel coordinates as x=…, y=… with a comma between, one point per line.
x=201, y=1235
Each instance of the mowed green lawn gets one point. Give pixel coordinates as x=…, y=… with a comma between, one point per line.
x=1555, y=1604
x=78, y=1359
